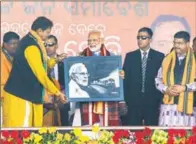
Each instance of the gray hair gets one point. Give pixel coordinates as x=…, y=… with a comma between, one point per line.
x=75, y=68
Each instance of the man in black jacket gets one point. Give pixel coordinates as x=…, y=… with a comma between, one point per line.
x=28, y=80
x=141, y=96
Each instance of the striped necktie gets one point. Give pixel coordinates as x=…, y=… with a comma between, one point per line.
x=144, y=62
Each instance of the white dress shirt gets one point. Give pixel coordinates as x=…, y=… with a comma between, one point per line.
x=142, y=53
x=159, y=80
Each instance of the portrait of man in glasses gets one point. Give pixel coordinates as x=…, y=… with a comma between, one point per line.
x=78, y=81
x=81, y=86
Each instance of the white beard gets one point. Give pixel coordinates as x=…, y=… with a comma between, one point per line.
x=96, y=48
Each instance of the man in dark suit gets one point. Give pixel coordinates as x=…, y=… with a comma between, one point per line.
x=141, y=96
x=61, y=116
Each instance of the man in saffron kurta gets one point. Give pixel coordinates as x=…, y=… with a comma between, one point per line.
x=10, y=43
x=25, y=88
x=101, y=113
x=176, y=79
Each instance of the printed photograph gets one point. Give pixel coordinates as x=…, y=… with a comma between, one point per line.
x=93, y=78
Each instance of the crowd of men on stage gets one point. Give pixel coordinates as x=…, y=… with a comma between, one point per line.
x=159, y=90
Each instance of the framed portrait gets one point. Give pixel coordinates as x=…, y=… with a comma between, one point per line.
x=93, y=78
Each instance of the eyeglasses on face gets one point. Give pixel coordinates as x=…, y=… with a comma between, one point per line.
x=49, y=44
x=12, y=43
x=92, y=40
x=142, y=37
x=83, y=74
x=178, y=43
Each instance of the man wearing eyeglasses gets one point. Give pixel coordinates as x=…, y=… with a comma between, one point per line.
x=176, y=80
x=25, y=88
x=10, y=44
x=79, y=80
x=55, y=114
x=80, y=87
x=141, y=96
x=100, y=113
